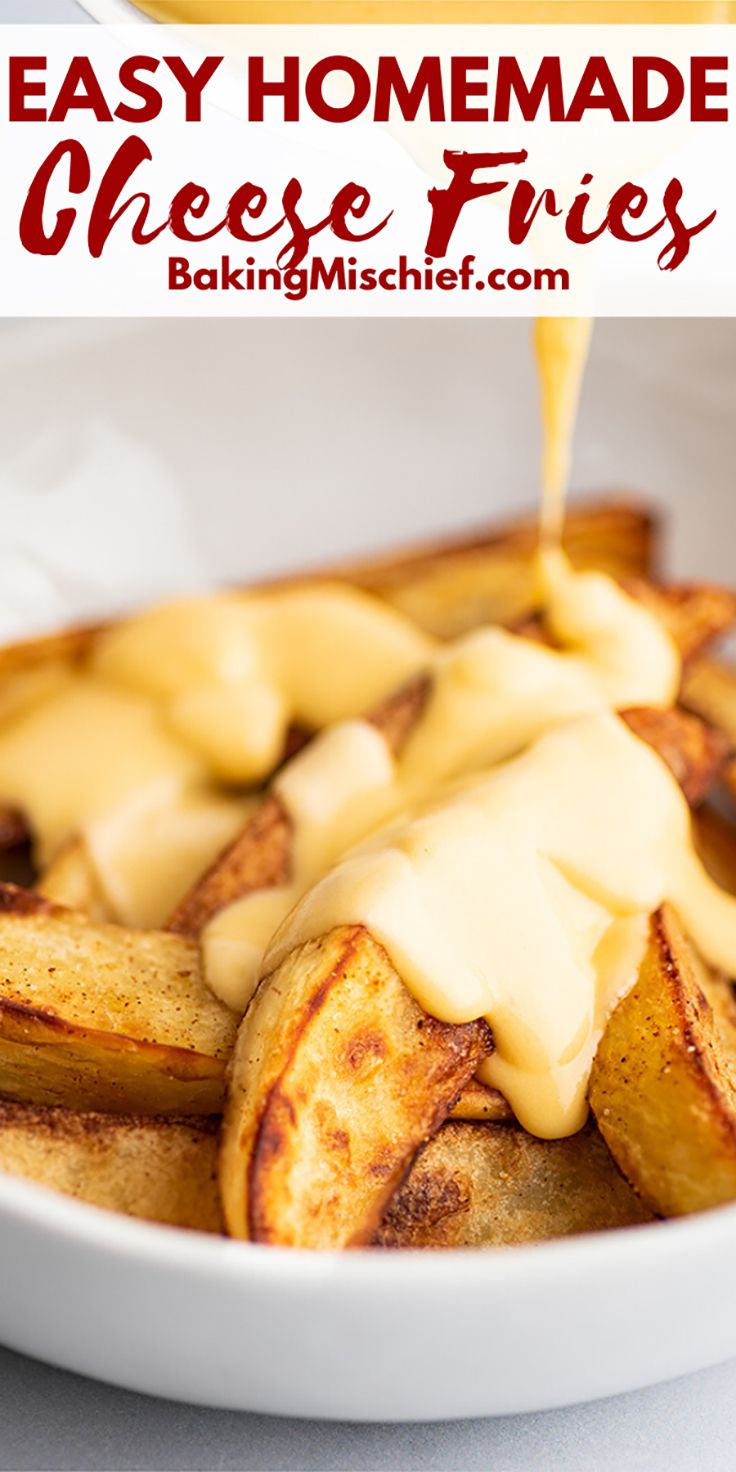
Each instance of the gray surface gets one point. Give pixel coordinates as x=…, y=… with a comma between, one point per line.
x=52, y=1420
x=27, y=12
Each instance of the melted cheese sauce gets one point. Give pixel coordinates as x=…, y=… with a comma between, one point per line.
x=524, y=898
x=128, y=750
x=492, y=694
x=561, y=346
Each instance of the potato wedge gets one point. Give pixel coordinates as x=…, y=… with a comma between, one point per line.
x=161, y=1170
x=663, y=1085
x=715, y=837
x=478, y=1102
x=696, y=754
x=709, y=689
x=695, y=614
x=493, y=1185
x=455, y=584
x=337, y=1078
x=70, y=880
x=448, y=584
x=97, y=1017
x=260, y=857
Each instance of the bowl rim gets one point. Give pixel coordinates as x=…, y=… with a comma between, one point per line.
x=176, y=1249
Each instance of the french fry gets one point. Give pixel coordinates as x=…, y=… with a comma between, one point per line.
x=663, y=1084
x=160, y=1170
x=260, y=857
x=493, y=1185
x=477, y=1102
x=715, y=837
x=695, y=753
x=696, y=615
x=337, y=1078
x=98, y=1017
x=455, y=584
x=70, y=880
x=709, y=689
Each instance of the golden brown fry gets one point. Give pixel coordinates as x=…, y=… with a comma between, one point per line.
x=709, y=689
x=663, y=1085
x=337, y=1078
x=97, y=1017
x=695, y=614
x=260, y=857
x=455, y=584
x=696, y=754
x=67, y=647
x=493, y=1185
x=161, y=1170
x=715, y=837
x=70, y=880
x=478, y=1102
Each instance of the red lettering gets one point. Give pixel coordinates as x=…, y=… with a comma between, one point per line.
x=427, y=82
x=106, y=210
x=463, y=88
x=314, y=89
x=150, y=99
x=510, y=83
x=642, y=109
x=447, y=204
x=259, y=88
x=32, y=229
x=20, y=88
x=702, y=86
x=597, y=74
x=79, y=91
x=193, y=83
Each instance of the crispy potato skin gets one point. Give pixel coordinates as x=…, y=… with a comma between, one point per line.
x=493, y=1185
x=97, y=1017
x=696, y=614
x=337, y=1078
x=478, y=1102
x=709, y=689
x=160, y=1170
x=696, y=754
x=260, y=857
x=663, y=1085
x=715, y=838
x=452, y=585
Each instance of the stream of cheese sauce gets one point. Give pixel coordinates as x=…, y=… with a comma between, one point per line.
x=561, y=347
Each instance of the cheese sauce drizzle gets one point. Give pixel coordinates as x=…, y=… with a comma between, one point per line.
x=492, y=693
x=524, y=898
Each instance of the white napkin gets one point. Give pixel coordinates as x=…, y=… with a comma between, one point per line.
x=90, y=522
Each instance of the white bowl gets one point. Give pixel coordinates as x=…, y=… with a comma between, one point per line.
x=373, y=1336
x=363, y=1336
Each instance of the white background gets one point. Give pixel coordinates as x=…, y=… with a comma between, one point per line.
x=398, y=164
